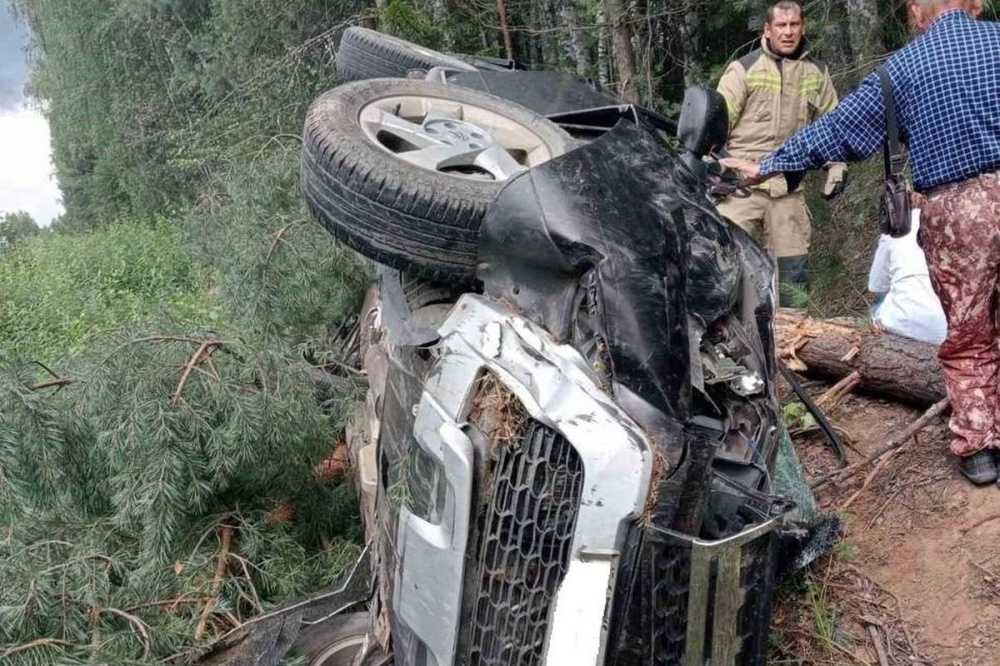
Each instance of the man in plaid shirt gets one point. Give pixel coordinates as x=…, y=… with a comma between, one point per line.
x=946, y=84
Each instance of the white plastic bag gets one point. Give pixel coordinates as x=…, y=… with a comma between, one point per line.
x=909, y=306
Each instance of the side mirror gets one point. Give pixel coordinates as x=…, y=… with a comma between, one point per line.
x=704, y=122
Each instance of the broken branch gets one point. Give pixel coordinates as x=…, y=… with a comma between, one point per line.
x=887, y=365
x=842, y=475
x=839, y=390
x=277, y=239
x=220, y=570
x=140, y=628
x=978, y=523
x=206, y=347
x=30, y=645
x=45, y=368
x=49, y=383
x=883, y=658
x=166, y=338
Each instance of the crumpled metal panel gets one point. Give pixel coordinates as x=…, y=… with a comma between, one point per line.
x=593, y=247
x=558, y=390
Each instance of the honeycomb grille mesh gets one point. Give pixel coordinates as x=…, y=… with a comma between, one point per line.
x=757, y=582
x=524, y=547
x=671, y=585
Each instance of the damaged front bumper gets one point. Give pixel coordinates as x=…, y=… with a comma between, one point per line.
x=622, y=507
x=488, y=577
x=558, y=391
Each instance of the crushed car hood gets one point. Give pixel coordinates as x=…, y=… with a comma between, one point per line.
x=596, y=245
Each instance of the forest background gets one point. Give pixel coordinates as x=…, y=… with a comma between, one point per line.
x=160, y=438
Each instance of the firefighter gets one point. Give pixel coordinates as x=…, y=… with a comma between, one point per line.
x=770, y=94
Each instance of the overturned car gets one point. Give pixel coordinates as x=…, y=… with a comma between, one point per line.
x=570, y=451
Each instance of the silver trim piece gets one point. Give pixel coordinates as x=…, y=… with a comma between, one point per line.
x=558, y=389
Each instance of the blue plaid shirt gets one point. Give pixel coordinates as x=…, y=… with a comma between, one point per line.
x=946, y=85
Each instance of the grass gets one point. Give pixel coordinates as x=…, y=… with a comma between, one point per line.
x=58, y=293
x=845, y=231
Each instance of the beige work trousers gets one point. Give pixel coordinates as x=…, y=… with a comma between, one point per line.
x=784, y=224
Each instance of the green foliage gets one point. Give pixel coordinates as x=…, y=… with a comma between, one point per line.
x=845, y=231
x=160, y=432
x=795, y=416
x=279, y=273
x=151, y=396
x=405, y=19
x=17, y=227
x=184, y=405
x=146, y=97
x=57, y=292
x=92, y=592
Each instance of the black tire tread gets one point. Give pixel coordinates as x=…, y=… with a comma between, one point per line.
x=367, y=54
x=414, y=220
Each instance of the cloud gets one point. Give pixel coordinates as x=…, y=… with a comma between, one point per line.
x=13, y=68
x=27, y=181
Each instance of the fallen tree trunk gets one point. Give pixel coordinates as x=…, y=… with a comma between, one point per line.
x=884, y=364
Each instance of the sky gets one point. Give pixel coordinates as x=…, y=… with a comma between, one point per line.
x=26, y=172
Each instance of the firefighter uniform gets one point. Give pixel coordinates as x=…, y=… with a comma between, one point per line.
x=769, y=98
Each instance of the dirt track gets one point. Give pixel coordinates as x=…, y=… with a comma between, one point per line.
x=919, y=571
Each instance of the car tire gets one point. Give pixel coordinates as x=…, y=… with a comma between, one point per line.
x=367, y=54
x=421, y=219
x=334, y=642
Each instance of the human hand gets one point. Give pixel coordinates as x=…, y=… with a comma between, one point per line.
x=748, y=169
x=836, y=179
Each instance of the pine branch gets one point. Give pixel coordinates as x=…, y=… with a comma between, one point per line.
x=140, y=628
x=63, y=565
x=45, y=368
x=207, y=347
x=31, y=645
x=277, y=239
x=220, y=570
x=95, y=633
x=49, y=383
x=245, y=565
x=169, y=604
x=166, y=338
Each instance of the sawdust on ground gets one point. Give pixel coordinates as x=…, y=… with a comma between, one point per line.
x=917, y=579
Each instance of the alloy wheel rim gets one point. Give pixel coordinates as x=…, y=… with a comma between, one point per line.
x=445, y=136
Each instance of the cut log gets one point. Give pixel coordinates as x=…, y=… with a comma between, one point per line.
x=887, y=365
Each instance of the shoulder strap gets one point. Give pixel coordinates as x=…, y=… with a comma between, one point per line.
x=750, y=59
x=894, y=159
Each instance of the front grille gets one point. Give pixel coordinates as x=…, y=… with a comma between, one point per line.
x=757, y=571
x=733, y=604
x=671, y=584
x=526, y=533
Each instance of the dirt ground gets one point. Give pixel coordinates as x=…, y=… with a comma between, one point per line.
x=917, y=578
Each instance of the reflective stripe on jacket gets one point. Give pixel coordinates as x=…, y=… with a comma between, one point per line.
x=769, y=98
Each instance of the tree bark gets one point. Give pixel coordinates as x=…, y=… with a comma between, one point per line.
x=440, y=13
x=866, y=32
x=508, y=45
x=692, y=47
x=840, y=52
x=602, y=47
x=887, y=365
x=369, y=18
x=621, y=46
x=574, y=50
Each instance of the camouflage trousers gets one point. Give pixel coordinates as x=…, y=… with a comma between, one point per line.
x=960, y=235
